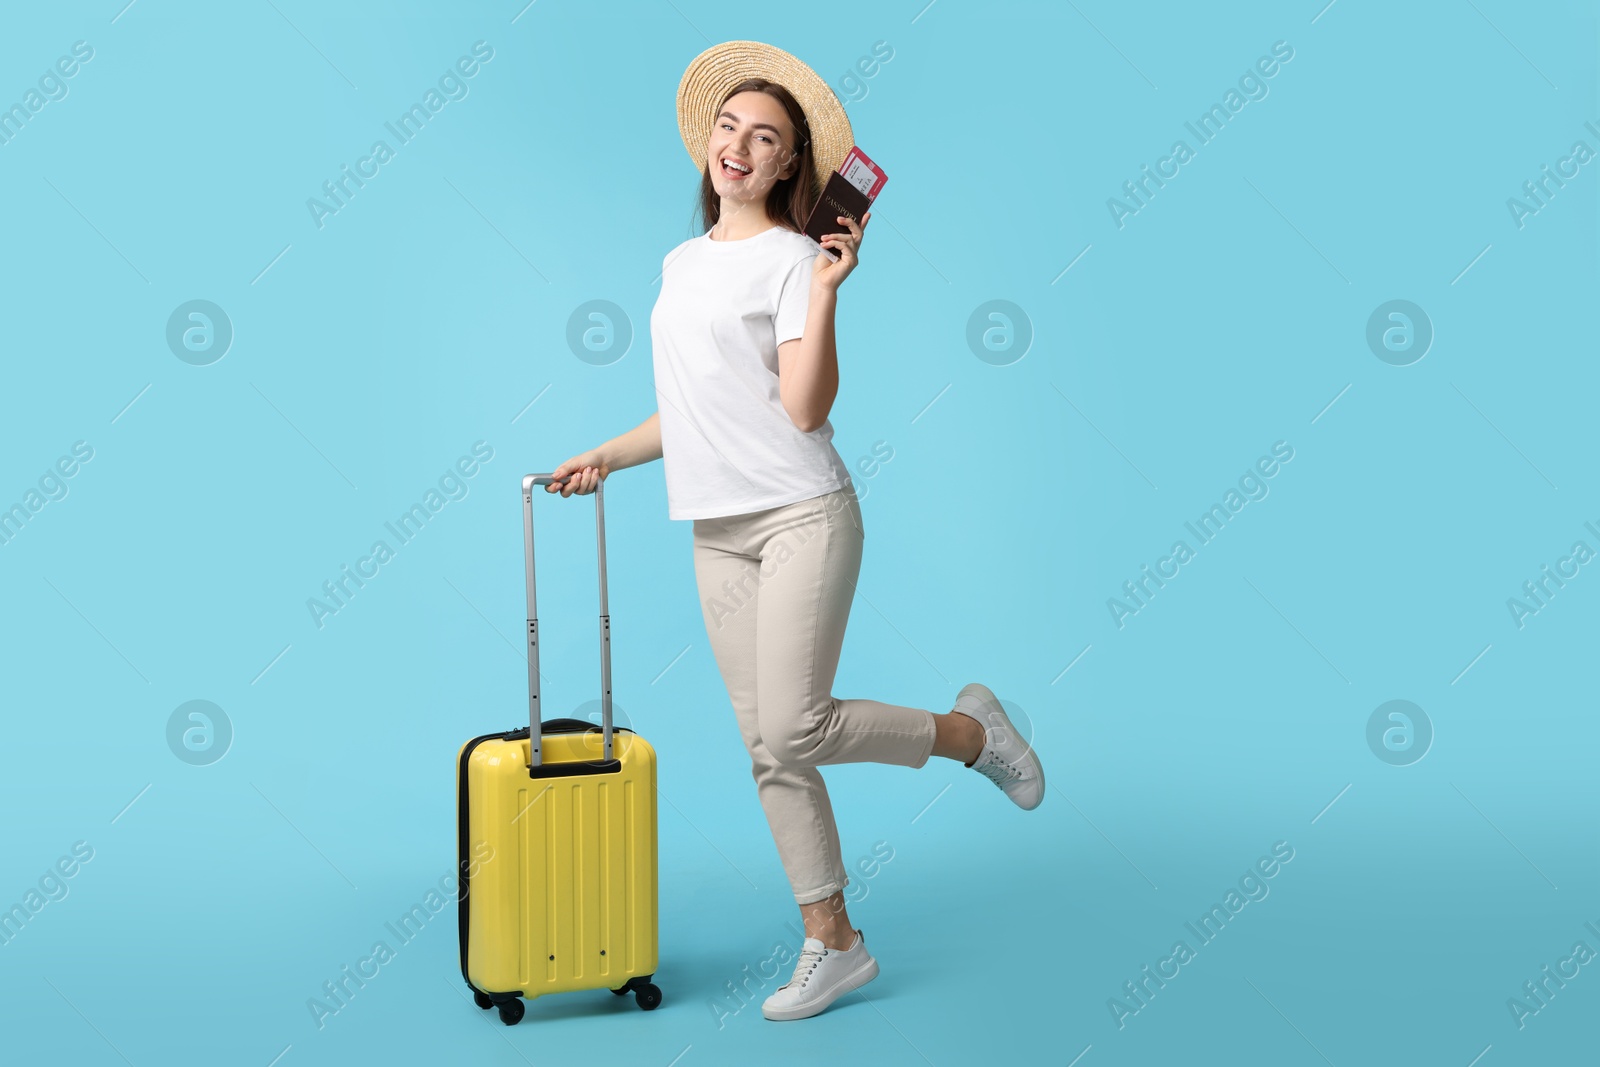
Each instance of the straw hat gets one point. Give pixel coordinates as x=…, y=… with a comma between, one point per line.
x=719, y=68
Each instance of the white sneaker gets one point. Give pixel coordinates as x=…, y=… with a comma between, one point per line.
x=1006, y=758
x=821, y=976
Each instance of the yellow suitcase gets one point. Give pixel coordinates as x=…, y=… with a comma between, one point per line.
x=556, y=841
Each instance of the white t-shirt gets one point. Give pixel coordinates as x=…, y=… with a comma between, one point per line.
x=728, y=445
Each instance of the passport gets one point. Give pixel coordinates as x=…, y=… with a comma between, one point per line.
x=850, y=191
x=839, y=197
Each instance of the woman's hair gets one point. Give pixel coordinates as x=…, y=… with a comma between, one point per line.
x=790, y=200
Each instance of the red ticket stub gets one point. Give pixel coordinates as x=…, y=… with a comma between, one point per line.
x=862, y=173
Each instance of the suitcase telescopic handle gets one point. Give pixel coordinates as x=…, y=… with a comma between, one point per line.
x=534, y=716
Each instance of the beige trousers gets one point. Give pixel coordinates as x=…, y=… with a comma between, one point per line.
x=775, y=589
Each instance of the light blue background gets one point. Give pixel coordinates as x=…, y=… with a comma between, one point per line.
x=430, y=313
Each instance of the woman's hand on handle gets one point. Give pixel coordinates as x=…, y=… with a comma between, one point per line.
x=584, y=472
x=581, y=474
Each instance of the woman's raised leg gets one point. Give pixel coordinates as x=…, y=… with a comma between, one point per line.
x=794, y=799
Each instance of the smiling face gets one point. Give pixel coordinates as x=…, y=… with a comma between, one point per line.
x=751, y=148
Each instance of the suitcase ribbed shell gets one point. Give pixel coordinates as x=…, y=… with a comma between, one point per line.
x=564, y=896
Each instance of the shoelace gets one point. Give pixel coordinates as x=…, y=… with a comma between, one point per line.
x=809, y=958
x=997, y=770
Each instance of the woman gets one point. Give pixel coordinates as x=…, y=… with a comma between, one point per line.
x=746, y=370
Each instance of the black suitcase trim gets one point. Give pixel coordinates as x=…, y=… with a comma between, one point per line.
x=463, y=824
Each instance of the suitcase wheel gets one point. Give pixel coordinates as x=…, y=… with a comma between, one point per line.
x=482, y=1000
x=511, y=1012
x=645, y=992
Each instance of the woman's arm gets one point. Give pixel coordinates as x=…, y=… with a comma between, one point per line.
x=639, y=445
x=584, y=472
x=808, y=366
